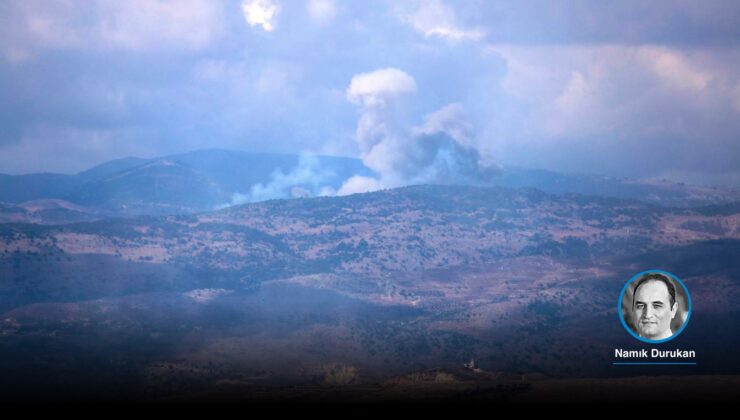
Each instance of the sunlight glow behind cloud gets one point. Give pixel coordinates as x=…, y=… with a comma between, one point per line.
x=260, y=13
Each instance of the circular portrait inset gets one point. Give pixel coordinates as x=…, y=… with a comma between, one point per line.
x=654, y=306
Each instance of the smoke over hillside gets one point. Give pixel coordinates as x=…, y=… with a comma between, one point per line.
x=307, y=179
x=440, y=150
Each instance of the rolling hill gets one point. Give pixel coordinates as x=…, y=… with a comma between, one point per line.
x=350, y=290
x=207, y=179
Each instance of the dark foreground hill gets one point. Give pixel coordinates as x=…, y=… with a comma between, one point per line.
x=350, y=291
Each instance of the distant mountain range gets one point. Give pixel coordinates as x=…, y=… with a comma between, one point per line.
x=661, y=192
x=182, y=183
x=206, y=179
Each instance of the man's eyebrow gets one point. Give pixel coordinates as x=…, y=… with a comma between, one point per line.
x=639, y=301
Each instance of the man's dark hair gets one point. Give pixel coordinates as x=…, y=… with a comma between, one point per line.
x=659, y=277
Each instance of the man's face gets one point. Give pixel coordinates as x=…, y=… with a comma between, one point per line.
x=653, y=311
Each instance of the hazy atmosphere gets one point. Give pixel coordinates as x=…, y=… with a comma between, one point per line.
x=422, y=92
x=324, y=200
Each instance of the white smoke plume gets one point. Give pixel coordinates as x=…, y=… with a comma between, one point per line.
x=441, y=150
x=307, y=179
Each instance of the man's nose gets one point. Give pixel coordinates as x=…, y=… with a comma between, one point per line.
x=648, y=312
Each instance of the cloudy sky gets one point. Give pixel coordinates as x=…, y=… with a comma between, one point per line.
x=632, y=88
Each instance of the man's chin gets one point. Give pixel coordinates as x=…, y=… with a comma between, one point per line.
x=653, y=335
x=648, y=331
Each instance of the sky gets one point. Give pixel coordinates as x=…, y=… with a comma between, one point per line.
x=421, y=91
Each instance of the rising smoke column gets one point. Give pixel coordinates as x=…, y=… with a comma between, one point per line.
x=439, y=151
x=307, y=179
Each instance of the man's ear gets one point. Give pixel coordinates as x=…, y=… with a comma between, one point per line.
x=674, y=309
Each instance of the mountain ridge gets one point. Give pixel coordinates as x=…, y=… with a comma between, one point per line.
x=206, y=179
